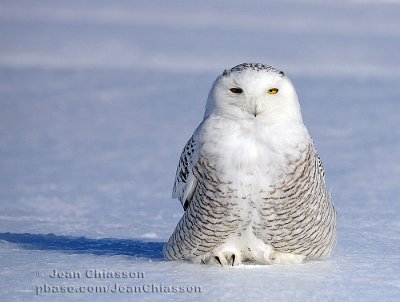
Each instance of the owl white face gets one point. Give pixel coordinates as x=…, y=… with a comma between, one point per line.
x=253, y=91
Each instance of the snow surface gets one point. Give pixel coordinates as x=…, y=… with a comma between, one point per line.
x=98, y=98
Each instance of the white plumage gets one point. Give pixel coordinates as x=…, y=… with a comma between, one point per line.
x=250, y=180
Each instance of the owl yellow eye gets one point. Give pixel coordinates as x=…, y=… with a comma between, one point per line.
x=236, y=90
x=273, y=91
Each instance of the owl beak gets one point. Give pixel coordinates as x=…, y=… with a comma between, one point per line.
x=254, y=107
x=256, y=110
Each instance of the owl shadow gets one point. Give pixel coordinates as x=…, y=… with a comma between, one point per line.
x=82, y=245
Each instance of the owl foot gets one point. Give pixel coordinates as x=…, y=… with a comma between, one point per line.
x=223, y=258
x=285, y=258
x=265, y=254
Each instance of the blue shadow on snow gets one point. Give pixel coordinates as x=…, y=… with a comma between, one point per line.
x=82, y=245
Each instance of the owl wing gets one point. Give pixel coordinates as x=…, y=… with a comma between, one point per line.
x=185, y=181
x=298, y=212
x=210, y=215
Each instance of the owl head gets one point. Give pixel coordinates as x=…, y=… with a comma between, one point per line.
x=254, y=92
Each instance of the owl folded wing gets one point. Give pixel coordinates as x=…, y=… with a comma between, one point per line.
x=185, y=181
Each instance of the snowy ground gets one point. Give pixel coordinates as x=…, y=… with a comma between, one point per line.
x=97, y=99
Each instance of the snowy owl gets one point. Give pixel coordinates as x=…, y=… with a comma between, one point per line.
x=250, y=180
